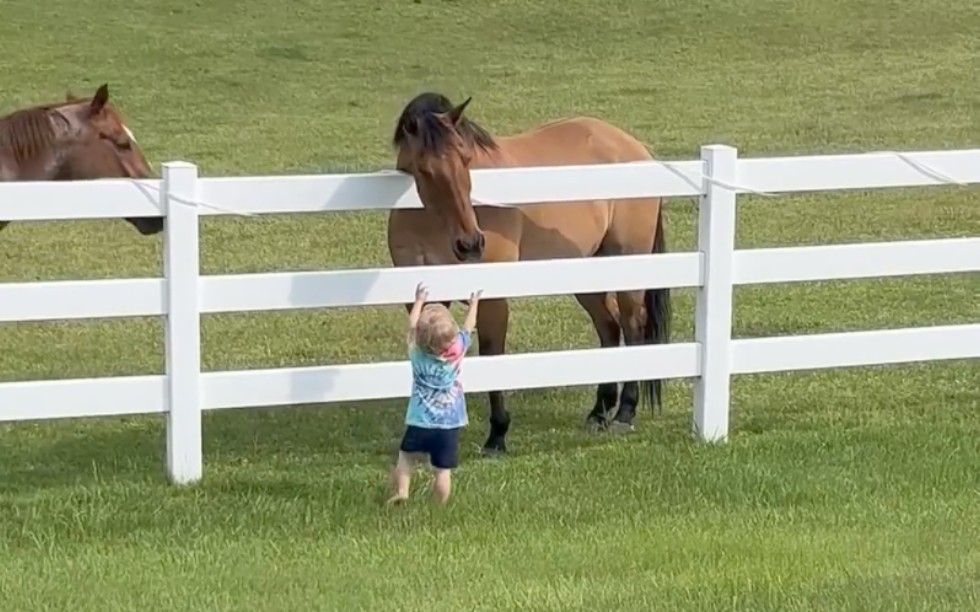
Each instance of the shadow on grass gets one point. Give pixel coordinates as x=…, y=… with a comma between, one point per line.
x=38, y=456
x=265, y=447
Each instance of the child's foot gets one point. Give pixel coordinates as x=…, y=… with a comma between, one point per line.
x=397, y=499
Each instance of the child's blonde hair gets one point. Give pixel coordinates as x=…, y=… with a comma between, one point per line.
x=436, y=329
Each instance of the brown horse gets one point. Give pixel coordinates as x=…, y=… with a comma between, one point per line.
x=78, y=139
x=438, y=146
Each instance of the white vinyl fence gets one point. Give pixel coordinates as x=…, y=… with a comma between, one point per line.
x=183, y=294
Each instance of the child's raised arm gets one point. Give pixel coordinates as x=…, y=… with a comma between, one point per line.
x=421, y=295
x=470, y=323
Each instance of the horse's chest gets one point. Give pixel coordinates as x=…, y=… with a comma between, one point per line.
x=416, y=238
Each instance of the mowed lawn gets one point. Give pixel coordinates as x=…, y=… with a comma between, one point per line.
x=839, y=490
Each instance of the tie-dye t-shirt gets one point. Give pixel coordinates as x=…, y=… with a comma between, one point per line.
x=437, y=400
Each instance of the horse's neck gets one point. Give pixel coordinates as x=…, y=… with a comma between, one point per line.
x=500, y=157
x=44, y=167
x=67, y=129
x=45, y=164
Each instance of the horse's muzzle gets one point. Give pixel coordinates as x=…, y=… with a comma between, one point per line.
x=470, y=248
x=147, y=226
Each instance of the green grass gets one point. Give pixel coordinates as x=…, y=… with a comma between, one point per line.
x=839, y=490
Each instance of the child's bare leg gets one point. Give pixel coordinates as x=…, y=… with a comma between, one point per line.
x=442, y=485
x=401, y=477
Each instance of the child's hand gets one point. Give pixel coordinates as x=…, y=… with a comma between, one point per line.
x=421, y=293
x=470, y=323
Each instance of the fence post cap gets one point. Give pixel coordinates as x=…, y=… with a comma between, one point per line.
x=716, y=148
x=174, y=165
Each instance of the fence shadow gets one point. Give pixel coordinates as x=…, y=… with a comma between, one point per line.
x=82, y=452
x=132, y=450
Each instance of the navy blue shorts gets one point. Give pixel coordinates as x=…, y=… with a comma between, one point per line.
x=441, y=445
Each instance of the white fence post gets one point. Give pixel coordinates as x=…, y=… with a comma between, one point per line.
x=185, y=462
x=713, y=309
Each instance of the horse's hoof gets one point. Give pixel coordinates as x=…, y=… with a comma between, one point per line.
x=494, y=448
x=620, y=427
x=494, y=452
x=596, y=424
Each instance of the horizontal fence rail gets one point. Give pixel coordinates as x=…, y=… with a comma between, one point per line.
x=818, y=351
x=126, y=395
x=372, y=287
x=46, y=301
x=116, y=198
x=849, y=261
x=183, y=391
x=349, y=382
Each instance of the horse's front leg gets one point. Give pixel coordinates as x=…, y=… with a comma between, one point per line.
x=491, y=326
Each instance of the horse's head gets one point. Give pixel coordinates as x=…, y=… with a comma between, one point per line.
x=104, y=147
x=436, y=145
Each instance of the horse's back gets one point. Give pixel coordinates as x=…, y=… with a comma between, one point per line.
x=576, y=228
x=572, y=141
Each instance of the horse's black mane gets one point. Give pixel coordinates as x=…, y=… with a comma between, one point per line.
x=418, y=120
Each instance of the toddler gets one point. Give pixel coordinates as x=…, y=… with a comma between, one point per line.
x=437, y=408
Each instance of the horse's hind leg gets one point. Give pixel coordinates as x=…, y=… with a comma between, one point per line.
x=608, y=329
x=632, y=316
x=636, y=230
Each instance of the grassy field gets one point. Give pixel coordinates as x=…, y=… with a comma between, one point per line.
x=840, y=490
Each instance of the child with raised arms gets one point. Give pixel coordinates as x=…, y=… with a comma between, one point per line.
x=437, y=407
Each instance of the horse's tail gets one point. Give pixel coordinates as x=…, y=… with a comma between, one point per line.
x=657, y=327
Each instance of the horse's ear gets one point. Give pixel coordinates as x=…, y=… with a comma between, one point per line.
x=100, y=98
x=456, y=114
x=411, y=127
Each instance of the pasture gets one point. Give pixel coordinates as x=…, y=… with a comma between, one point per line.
x=840, y=489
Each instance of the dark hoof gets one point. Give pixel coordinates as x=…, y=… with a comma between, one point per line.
x=493, y=452
x=595, y=424
x=620, y=427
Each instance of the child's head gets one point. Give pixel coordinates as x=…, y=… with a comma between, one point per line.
x=436, y=329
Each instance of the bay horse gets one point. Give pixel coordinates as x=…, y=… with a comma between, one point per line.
x=438, y=146
x=77, y=139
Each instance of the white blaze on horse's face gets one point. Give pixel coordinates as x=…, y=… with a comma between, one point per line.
x=132, y=139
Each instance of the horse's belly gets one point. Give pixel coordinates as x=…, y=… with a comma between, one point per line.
x=557, y=230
